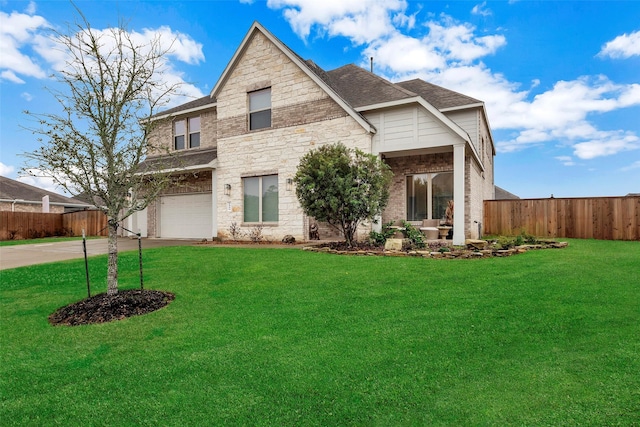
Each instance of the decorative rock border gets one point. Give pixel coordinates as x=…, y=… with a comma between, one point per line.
x=470, y=252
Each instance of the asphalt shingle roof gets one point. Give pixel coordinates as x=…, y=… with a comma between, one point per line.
x=184, y=159
x=12, y=189
x=360, y=87
x=437, y=96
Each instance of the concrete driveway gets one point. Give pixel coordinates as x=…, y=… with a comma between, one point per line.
x=40, y=253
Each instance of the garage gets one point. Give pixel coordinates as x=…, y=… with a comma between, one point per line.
x=186, y=216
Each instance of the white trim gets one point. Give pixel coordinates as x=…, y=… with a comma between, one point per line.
x=211, y=165
x=462, y=107
x=256, y=26
x=458, y=194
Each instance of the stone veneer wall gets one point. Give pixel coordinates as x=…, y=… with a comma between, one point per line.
x=304, y=117
x=409, y=165
x=277, y=152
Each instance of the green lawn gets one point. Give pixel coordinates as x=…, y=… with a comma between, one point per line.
x=285, y=337
x=43, y=240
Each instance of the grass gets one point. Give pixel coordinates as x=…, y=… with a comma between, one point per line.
x=285, y=337
x=43, y=240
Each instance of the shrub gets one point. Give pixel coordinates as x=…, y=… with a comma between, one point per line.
x=414, y=235
x=379, y=239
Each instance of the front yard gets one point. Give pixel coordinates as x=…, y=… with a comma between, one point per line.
x=286, y=337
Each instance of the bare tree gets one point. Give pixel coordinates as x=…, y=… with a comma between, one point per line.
x=111, y=87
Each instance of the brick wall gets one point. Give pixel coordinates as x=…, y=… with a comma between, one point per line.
x=410, y=165
x=28, y=207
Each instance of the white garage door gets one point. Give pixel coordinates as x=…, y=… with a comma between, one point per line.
x=186, y=216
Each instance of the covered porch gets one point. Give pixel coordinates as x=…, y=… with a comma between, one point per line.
x=425, y=182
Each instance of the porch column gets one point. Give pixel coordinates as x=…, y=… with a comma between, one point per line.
x=458, y=194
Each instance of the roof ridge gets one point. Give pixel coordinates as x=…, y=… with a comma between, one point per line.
x=439, y=87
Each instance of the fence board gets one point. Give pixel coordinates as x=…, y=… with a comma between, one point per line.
x=29, y=225
x=606, y=218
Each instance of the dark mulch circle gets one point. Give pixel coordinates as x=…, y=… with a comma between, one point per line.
x=104, y=308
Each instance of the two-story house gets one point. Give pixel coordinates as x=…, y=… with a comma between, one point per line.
x=241, y=145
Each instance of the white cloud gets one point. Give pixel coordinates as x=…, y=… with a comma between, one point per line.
x=27, y=51
x=31, y=8
x=566, y=160
x=623, y=46
x=26, y=96
x=607, y=144
x=16, y=33
x=6, y=170
x=634, y=165
x=362, y=21
x=11, y=76
x=480, y=9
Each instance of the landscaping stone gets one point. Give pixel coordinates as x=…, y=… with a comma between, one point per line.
x=401, y=248
x=476, y=244
x=394, y=245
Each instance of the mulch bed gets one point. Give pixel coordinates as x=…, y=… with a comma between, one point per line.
x=104, y=308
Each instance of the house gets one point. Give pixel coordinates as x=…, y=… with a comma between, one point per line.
x=16, y=196
x=239, y=147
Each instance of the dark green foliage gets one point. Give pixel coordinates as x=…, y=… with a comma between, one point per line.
x=342, y=187
x=413, y=234
x=381, y=238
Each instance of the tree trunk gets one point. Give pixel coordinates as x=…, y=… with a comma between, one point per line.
x=112, y=266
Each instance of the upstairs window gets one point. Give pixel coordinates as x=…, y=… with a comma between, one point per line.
x=184, y=127
x=260, y=109
x=179, y=129
x=194, y=132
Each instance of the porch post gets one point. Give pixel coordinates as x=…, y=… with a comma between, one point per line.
x=458, y=194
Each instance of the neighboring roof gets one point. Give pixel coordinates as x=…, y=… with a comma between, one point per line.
x=11, y=189
x=184, y=160
x=360, y=87
x=633, y=195
x=438, y=96
x=502, y=194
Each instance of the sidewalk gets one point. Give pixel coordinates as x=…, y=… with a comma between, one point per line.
x=41, y=253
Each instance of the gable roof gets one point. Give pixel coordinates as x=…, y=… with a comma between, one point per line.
x=439, y=97
x=293, y=57
x=11, y=189
x=502, y=194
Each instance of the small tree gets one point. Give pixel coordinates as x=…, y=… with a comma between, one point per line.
x=96, y=144
x=342, y=187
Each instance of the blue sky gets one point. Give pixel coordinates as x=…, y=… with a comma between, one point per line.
x=560, y=79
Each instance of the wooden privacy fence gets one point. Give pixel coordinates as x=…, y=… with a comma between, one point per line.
x=30, y=225
x=606, y=218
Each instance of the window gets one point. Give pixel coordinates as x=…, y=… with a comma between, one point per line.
x=182, y=128
x=260, y=109
x=178, y=134
x=428, y=194
x=261, y=198
x=194, y=132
